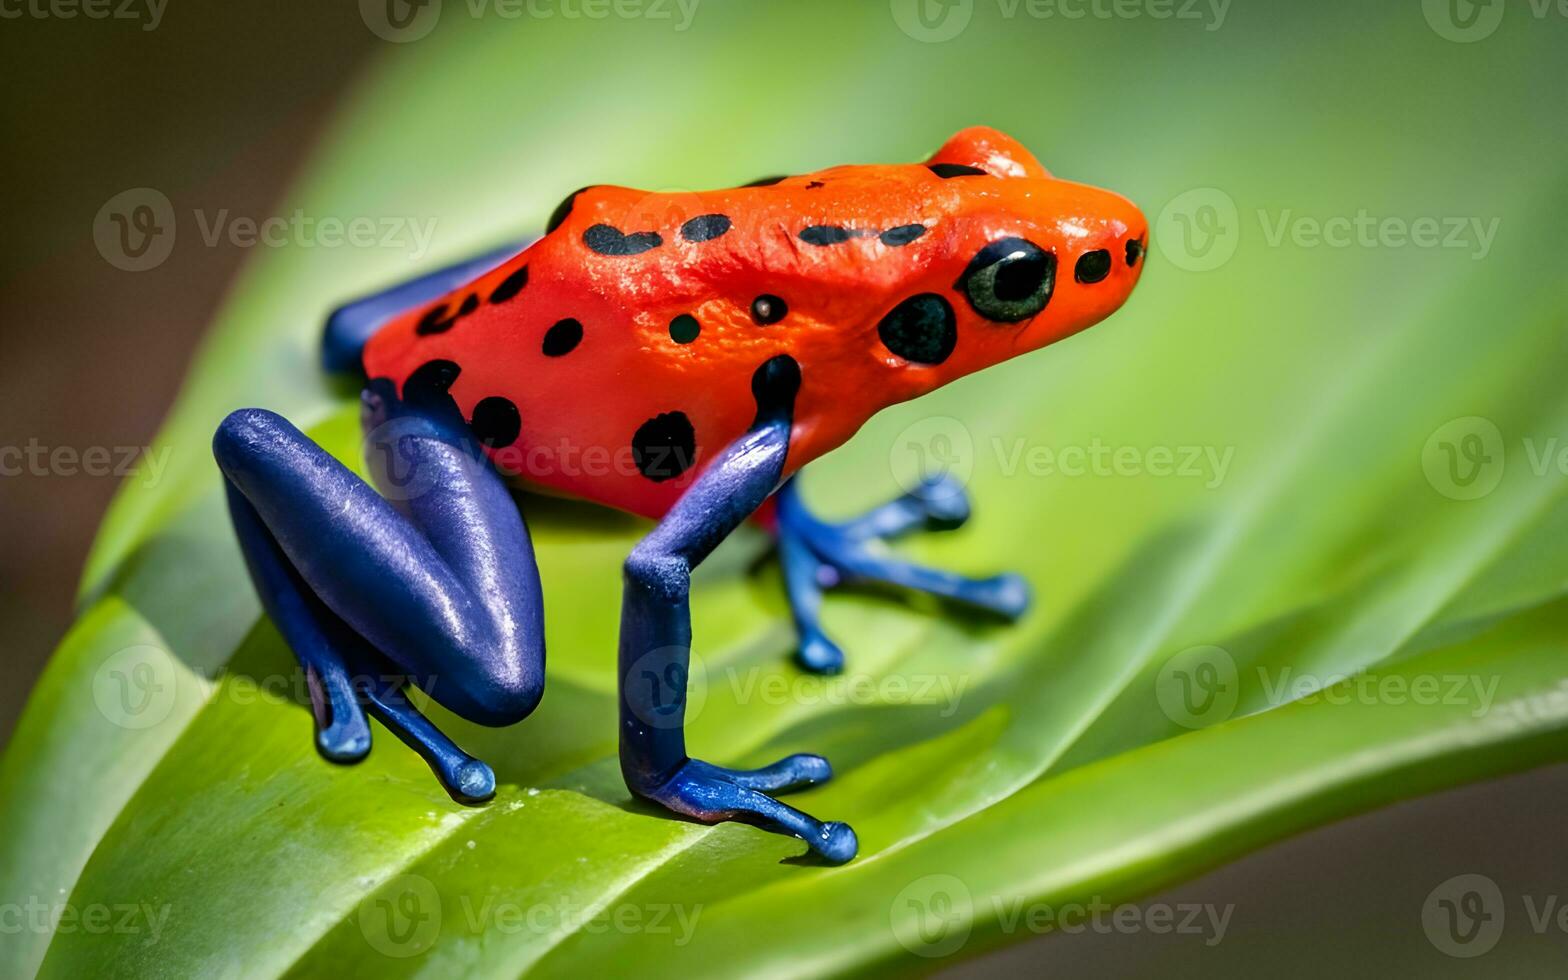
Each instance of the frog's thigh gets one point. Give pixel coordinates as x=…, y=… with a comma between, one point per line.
x=444, y=584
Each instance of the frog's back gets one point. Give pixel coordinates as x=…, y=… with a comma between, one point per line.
x=613, y=357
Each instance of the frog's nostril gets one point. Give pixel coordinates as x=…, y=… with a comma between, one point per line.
x=1093, y=266
x=1134, y=250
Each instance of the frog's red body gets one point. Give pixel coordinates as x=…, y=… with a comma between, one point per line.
x=581, y=347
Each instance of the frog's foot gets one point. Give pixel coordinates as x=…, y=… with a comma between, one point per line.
x=712, y=794
x=818, y=555
x=339, y=702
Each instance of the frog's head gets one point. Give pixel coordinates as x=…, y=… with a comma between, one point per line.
x=1026, y=259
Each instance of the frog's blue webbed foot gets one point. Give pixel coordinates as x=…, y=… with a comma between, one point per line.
x=434, y=583
x=818, y=555
x=656, y=641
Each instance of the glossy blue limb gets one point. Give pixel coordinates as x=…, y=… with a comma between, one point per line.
x=802, y=584
x=818, y=554
x=444, y=584
x=316, y=635
x=655, y=642
x=352, y=324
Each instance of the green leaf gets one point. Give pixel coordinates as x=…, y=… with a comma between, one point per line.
x=1240, y=478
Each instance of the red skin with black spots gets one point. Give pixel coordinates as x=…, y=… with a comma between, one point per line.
x=581, y=409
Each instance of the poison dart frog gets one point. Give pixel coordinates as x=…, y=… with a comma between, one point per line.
x=675, y=356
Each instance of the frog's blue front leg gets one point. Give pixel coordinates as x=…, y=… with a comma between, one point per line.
x=441, y=588
x=656, y=640
x=818, y=554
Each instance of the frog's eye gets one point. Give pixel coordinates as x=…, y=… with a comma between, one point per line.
x=1009, y=280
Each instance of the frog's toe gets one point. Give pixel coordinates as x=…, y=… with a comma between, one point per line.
x=944, y=500
x=819, y=555
x=837, y=842
x=472, y=782
x=711, y=794
x=345, y=743
x=342, y=731
x=1007, y=595
x=465, y=778
x=791, y=773
x=818, y=654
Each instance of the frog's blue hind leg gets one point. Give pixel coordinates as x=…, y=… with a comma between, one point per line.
x=353, y=323
x=318, y=638
x=656, y=641
x=818, y=554
x=443, y=584
x=342, y=670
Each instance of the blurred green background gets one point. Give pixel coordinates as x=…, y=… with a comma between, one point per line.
x=1321, y=369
